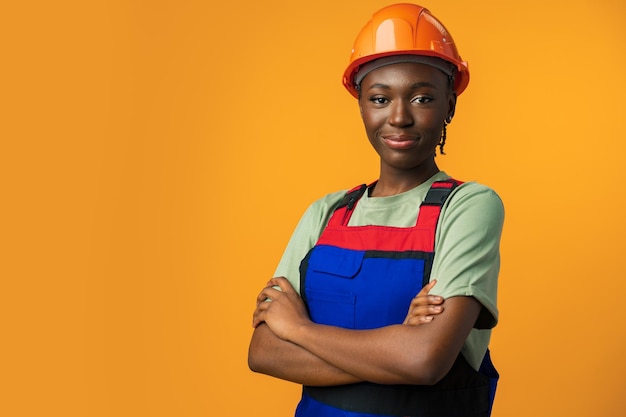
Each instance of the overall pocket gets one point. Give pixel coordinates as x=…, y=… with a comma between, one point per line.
x=328, y=285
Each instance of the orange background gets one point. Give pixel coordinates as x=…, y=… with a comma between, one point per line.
x=155, y=156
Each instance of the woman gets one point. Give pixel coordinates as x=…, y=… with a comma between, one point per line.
x=340, y=317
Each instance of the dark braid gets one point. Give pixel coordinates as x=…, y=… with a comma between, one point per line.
x=442, y=139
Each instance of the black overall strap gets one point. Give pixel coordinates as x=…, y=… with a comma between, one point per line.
x=439, y=192
x=342, y=212
x=352, y=197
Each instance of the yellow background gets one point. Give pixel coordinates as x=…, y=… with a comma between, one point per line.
x=155, y=156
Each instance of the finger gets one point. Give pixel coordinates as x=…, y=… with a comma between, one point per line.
x=421, y=301
x=268, y=294
x=434, y=299
x=419, y=320
x=256, y=321
x=425, y=310
x=282, y=283
x=429, y=286
x=260, y=314
x=257, y=317
x=261, y=297
x=426, y=288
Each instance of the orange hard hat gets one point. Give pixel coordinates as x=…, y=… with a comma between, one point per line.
x=404, y=29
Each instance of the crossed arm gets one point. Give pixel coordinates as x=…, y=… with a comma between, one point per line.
x=288, y=345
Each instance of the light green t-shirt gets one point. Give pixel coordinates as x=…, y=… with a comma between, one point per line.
x=467, y=241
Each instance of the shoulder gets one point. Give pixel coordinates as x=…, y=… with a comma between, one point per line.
x=319, y=211
x=305, y=235
x=473, y=197
x=317, y=215
x=473, y=189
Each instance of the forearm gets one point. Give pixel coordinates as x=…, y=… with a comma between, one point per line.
x=397, y=354
x=370, y=354
x=273, y=356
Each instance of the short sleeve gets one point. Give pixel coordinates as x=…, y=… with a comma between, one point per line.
x=305, y=236
x=467, y=248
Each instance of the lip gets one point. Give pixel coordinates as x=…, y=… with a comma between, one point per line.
x=400, y=142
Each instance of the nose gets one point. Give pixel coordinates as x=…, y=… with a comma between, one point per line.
x=400, y=114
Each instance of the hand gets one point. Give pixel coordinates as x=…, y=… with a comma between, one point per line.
x=424, y=307
x=282, y=309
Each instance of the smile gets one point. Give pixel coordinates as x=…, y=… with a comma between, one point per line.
x=400, y=142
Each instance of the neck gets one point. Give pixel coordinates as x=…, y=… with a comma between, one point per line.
x=392, y=182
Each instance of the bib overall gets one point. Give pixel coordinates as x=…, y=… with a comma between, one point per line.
x=364, y=277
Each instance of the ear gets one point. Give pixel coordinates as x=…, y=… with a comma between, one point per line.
x=451, y=105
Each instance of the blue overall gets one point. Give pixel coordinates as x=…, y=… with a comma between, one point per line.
x=364, y=277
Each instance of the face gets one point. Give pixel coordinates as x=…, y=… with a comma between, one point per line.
x=403, y=107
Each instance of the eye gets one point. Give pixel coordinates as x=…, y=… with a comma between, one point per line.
x=422, y=99
x=380, y=100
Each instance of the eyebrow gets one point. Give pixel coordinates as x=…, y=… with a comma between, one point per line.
x=413, y=86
